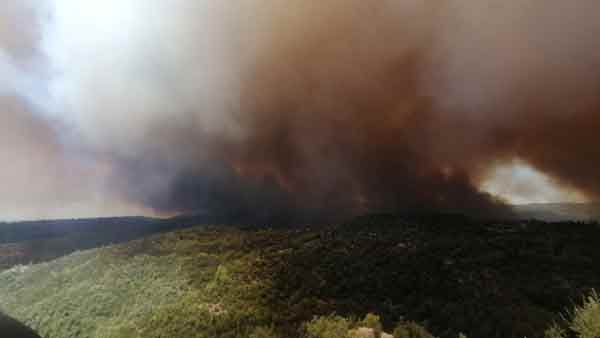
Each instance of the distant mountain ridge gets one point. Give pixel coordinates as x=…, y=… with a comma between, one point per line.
x=30, y=230
x=558, y=212
x=39, y=241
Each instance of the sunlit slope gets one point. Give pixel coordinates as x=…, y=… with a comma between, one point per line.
x=165, y=286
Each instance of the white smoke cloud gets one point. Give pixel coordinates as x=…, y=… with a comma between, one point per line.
x=41, y=178
x=121, y=69
x=17, y=42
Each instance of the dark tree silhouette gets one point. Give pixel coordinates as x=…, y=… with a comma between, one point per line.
x=10, y=328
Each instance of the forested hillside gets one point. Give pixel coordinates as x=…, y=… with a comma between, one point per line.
x=446, y=273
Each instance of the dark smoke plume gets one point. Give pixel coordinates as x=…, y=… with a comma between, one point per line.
x=304, y=110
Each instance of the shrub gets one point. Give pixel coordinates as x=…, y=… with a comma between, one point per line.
x=586, y=319
x=583, y=321
x=328, y=327
x=373, y=322
x=411, y=330
x=264, y=332
x=555, y=331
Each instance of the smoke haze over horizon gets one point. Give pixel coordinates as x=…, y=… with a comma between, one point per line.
x=302, y=110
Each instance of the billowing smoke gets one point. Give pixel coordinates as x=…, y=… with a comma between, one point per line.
x=41, y=177
x=321, y=109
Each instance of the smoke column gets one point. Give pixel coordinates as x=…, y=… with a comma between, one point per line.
x=315, y=110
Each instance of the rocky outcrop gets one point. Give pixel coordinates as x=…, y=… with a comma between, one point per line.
x=362, y=332
x=366, y=332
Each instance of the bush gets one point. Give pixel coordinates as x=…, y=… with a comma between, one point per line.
x=328, y=327
x=555, y=332
x=411, y=330
x=583, y=320
x=586, y=319
x=373, y=322
x=264, y=332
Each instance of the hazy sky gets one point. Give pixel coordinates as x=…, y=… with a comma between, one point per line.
x=114, y=107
